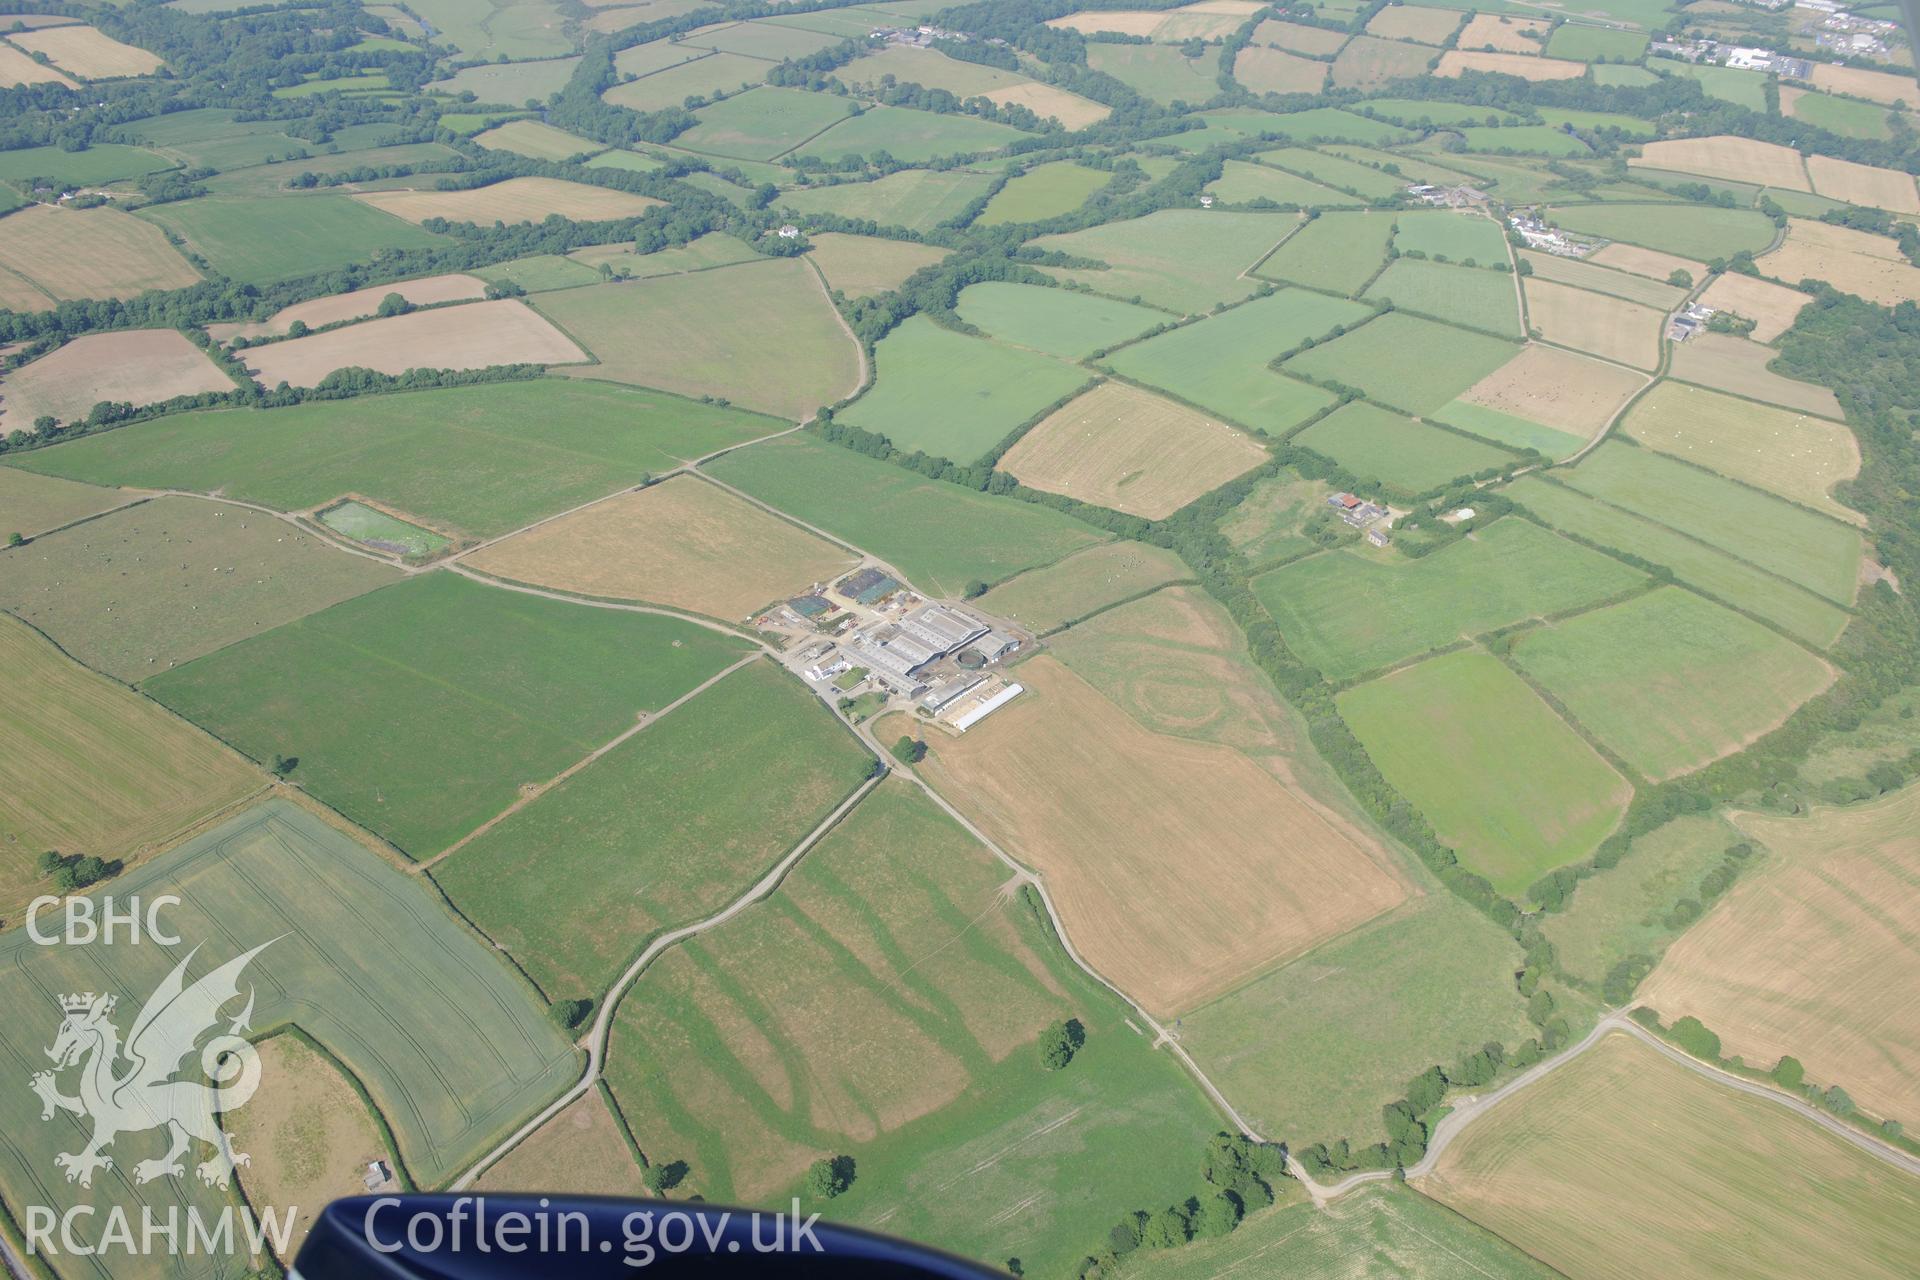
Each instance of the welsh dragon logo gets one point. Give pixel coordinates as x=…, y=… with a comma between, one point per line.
x=127, y=1087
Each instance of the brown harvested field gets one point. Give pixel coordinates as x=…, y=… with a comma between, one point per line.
x=1556, y=389
x=1651, y=263
x=88, y=766
x=31, y=503
x=1874, y=86
x=580, y=1152
x=1180, y=869
x=1368, y=61
x=861, y=266
x=1865, y=184
x=1118, y=446
x=1504, y=34
x=1622, y=1164
x=515, y=200
x=1050, y=101
x=1457, y=62
x=1266, y=70
x=309, y=1133
x=1806, y=955
x=683, y=542
x=1851, y=261
x=84, y=52
x=1792, y=454
x=1765, y=164
x=139, y=366
x=16, y=69
x=19, y=294
x=1298, y=39
x=1727, y=363
x=1771, y=307
x=90, y=253
x=1412, y=22
x=1612, y=328
x=358, y=305
x=474, y=336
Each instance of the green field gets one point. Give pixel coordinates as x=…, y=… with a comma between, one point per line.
x=1742, y=88
x=750, y=1051
x=540, y=272
x=510, y=81
x=1183, y=259
x=661, y=827
x=1046, y=191
x=1669, y=681
x=907, y=135
x=266, y=239
x=1346, y=613
x=1244, y=183
x=1792, y=608
x=671, y=87
x=101, y=162
x=1578, y=43
x=1844, y=116
x=1379, y=444
x=1374, y=1231
x=1416, y=111
x=479, y=461
x=761, y=335
x=1690, y=230
x=1505, y=428
x=1337, y=252
x=1462, y=295
x=940, y=535
x=1056, y=595
x=1429, y=982
x=147, y=587
x=1451, y=237
x=1335, y=171
x=762, y=123
x=1451, y=734
x=419, y=711
x=1060, y=322
x=1220, y=363
x=1409, y=363
x=1624, y=912
x=1527, y=139
x=1623, y=77
x=513, y=29
x=1819, y=553
x=451, y=1046
x=269, y=179
x=953, y=395
x=1267, y=524
x=918, y=199
x=34, y=504
x=1156, y=71
x=1315, y=125
x=1594, y=121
